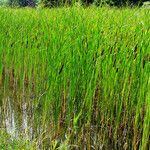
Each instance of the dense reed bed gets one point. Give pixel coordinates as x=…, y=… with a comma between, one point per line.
x=83, y=75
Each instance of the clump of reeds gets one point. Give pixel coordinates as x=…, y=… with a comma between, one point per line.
x=84, y=73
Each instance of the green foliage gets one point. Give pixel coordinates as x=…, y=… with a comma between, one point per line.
x=21, y=3
x=58, y=3
x=11, y=143
x=119, y=2
x=82, y=73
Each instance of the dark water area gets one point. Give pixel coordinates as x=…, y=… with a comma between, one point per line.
x=21, y=119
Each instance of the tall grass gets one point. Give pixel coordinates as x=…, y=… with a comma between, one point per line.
x=83, y=73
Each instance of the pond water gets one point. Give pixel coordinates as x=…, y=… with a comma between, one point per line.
x=16, y=118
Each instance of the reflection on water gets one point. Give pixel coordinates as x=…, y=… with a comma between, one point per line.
x=21, y=117
x=10, y=121
x=16, y=117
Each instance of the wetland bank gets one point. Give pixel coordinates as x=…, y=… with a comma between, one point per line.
x=75, y=78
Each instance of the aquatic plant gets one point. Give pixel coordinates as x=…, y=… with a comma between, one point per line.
x=80, y=77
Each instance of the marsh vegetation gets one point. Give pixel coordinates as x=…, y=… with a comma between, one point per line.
x=75, y=78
